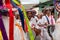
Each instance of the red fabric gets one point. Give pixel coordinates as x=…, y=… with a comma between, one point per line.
x=11, y=20
x=26, y=27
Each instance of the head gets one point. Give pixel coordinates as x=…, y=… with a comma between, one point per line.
x=48, y=12
x=43, y=11
x=29, y=14
x=40, y=15
x=17, y=16
x=33, y=13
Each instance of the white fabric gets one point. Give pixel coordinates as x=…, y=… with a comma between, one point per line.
x=6, y=24
x=44, y=34
x=49, y=18
x=40, y=21
x=44, y=19
x=36, y=18
x=17, y=33
x=56, y=33
x=33, y=23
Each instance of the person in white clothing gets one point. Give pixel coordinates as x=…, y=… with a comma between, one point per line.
x=56, y=33
x=51, y=22
x=33, y=22
x=44, y=34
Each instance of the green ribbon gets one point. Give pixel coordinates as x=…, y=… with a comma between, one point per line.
x=27, y=21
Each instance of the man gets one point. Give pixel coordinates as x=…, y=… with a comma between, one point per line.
x=44, y=34
x=56, y=33
x=33, y=23
x=47, y=21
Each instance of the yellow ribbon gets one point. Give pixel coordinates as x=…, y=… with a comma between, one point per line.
x=27, y=21
x=16, y=1
x=0, y=35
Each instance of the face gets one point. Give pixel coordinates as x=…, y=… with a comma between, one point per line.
x=17, y=16
x=29, y=14
x=40, y=16
x=34, y=13
x=48, y=12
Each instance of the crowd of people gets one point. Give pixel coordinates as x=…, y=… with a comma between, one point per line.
x=43, y=25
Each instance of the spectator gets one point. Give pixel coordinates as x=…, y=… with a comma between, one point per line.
x=56, y=33
x=44, y=34
x=33, y=24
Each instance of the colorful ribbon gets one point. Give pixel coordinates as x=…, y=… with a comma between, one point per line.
x=27, y=21
x=0, y=35
x=22, y=20
x=4, y=34
x=11, y=20
x=25, y=26
x=17, y=2
x=2, y=28
x=20, y=13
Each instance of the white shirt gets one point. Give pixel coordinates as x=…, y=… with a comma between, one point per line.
x=44, y=33
x=33, y=23
x=36, y=18
x=49, y=18
x=56, y=33
x=44, y=19
x=40, y=21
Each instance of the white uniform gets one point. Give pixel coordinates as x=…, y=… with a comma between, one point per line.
x=49, y=18
x=56, y=33
x=44, y=19
x=33, y=23
x=44, y=33
x=36, y=18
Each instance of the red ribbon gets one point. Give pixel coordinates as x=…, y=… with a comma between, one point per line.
x=11, y=20
x=26, y=26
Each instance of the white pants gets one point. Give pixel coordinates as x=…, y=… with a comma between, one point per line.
x=44, y=34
